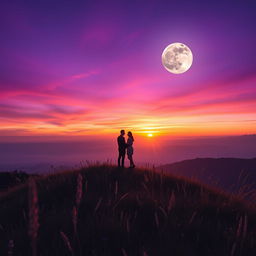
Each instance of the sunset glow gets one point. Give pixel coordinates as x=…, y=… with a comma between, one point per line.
x=96, y=71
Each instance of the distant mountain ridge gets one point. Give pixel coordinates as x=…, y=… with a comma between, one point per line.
x=231, y=174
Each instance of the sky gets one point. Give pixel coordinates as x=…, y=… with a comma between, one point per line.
x=71, y=68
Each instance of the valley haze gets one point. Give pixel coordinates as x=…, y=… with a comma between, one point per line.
x=42, y=154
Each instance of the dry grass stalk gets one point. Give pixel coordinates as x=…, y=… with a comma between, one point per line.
x=67, y=242
x=128, y=225
x=239, y=227
x=145, y=187
x=79, y=189
x=138, y=199
x=79, y=193
x=120, y=199
x=146, y=179
x=98, y=204
x=33, y=215
x=245, y=228
x=10, y=247
x=192, y=217
x=241, y=233
x=124, y=252
x=121, y=216
x=116, y=188
x=171, y=203
x=144, y=253
x=156, y=219
x=163, y=211
x=86, y=186
x=233, y=249
x=74, y=219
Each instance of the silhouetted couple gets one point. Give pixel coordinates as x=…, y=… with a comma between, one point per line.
x=124, y=147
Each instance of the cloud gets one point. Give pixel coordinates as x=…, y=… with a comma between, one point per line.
x=136, y=104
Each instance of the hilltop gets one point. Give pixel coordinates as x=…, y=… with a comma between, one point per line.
x=12, y=179
x=102, y=210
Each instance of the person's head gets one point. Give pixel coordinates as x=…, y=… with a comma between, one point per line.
x=130, y=135
x=122, y=132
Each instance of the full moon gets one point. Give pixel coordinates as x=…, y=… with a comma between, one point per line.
x=177, y=58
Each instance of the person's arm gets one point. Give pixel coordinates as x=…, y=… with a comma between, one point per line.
x=124, y=143
x=121, y=142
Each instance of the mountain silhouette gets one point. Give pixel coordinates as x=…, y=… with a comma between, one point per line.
x=231, y=174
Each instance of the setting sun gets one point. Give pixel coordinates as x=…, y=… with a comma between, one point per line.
x=150, y=135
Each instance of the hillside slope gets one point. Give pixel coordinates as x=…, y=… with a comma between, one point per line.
x=231, y=174
x=103, y=210
x=12, y=179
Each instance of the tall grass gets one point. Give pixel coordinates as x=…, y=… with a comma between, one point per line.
x=33, y=215
x=102, y=210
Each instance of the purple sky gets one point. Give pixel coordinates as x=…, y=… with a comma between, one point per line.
x=88, y=67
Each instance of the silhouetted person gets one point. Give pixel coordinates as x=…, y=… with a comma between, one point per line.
x=130, y=149
x=121, y=147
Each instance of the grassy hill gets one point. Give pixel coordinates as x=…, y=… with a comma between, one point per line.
x=11, y=179
x=231, y=174
x=103, y=210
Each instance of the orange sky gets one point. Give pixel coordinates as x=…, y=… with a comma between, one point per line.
x=70, y=73
x=212, y=109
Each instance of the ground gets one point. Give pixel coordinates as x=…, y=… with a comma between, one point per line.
x=103, y=210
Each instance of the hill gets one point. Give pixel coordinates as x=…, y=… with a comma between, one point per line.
x=12, y=179
x=103, y=210
x=231, y=174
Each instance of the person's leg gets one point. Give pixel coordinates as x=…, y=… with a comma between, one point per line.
x=129, y=157
x=132, y=163
x=119, y=158
x=123, y=156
